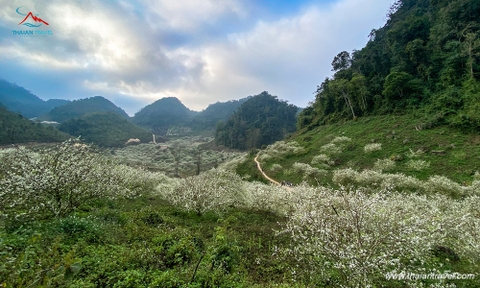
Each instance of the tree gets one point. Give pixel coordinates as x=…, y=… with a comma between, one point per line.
x=342, y=87
x=341, y=61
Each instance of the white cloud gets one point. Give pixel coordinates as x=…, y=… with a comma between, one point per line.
x=287, y=57
x=190, y=15
x=153, y=49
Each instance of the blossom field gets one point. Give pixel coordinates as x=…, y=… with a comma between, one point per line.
x=66, y=210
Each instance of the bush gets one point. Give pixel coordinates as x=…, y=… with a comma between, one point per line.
x=308, y=171
x=56, y=181
x=372, y=147
x=214, y=190
x=384, y=165
x=417, y=165
x=352, y=238
x=280, y=149
x=331, y=149
x=322, y=160
x=276, y=168
x=341, y=139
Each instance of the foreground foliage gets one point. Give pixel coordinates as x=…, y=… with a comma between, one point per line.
x=56, y=181
x=143, y=229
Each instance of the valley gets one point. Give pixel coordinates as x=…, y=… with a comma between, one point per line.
x=376, y=183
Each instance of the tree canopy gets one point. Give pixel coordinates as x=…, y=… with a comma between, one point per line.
x=426, y=56
x=14, y=128
x=107, y=129
x=261, y=120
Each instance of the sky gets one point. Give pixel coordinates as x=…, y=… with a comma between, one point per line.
x=134, y=52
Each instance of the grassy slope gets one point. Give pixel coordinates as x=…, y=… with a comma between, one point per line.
x=134, y=243
x=398, y=135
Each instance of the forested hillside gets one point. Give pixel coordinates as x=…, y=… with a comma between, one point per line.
x=19, y=100
x=163, y=114
x=82, y=107
x=14, y=128
x=107, y=129
x=427, y=56
x=214, y=113
x=261, y=120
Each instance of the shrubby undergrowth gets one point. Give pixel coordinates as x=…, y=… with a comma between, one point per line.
x=280, y=149
x=55, y=181
x=350, y=236
x=214, y=190
x=400, y=182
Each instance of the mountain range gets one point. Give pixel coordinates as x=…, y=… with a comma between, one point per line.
x=19, y=100
x=78, y=108
x=98, y=120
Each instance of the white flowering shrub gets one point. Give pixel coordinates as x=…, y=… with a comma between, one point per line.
x=136, y=181
x=55, y=181
x=469, y=227
x=383, y=165
x=376, y=179
x=341, y=139
x=476, y=176
x=322, y=160
x=276, y=167
x=331, y=149
x=308, y=171
x=414, y=154
x=214, y=190
x=267, y=197
x=417, y=165
x=280, y=149
x=231, y=165
x=443, y=185
x=360, y=236
x=371, y=147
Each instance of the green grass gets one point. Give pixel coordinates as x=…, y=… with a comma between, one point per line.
x=459, y=159
x=248, y=169
x=144, y=243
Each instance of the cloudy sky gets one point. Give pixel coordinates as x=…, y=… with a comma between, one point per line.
x=134, y=52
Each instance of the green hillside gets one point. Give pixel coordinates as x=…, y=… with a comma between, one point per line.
x=107, y=129
x=407, y=104
x=163, y=114
x=14, y=128
x=19, y=100
x=261, y=120
x=214, y=113
x=52, y=103
x=386, y=144
x=78, y=108
x=427, y=56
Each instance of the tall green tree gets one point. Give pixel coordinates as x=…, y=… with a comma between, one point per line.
x=427, y=55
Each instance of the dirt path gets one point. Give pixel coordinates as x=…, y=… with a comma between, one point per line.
x=263, y=173
x=259, y=167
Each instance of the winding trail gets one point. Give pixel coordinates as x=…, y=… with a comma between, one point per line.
x=265, y=175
